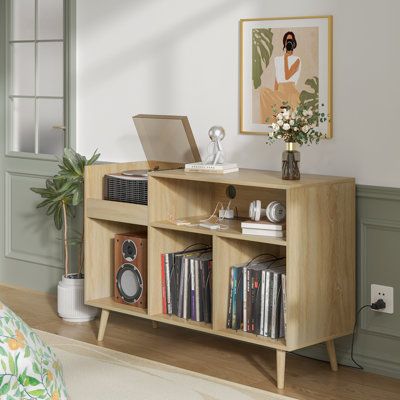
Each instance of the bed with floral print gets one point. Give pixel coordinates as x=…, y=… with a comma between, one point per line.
x=29, y=369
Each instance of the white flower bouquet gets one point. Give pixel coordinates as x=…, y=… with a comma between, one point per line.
x=297, y=126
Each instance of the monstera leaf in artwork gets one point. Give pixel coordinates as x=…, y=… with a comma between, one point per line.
x=262, y=50
x=311, y=98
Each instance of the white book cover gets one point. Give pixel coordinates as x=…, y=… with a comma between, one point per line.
x=262, y=225
x=192, y=288
x=210, y=167
x=274, y=306
x=197, y=289
x=263, y=232
x=268, y=306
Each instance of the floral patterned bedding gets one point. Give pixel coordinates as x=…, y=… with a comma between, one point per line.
x=29, y=369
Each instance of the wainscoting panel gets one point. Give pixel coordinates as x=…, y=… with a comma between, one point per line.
x=30, y=234
x=377, y=346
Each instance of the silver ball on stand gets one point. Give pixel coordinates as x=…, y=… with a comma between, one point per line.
x=216, y=133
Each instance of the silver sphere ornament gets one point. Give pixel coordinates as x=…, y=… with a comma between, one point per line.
x=216, y=133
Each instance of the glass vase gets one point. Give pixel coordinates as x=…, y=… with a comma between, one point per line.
x=291, y=163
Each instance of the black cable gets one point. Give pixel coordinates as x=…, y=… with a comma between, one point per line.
x=354, y=332
x=206, y=246
x=261, y=255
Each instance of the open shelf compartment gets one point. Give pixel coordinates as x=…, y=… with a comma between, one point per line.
x=169, y=241
x=181, y=200
x=227, y=253
x=99, y=262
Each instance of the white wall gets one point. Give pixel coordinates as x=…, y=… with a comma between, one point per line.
x=181, y=57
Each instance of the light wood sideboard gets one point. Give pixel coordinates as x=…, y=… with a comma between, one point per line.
x=319, y=247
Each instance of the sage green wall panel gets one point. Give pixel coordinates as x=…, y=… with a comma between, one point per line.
x=30, y=234
x=34, y=276
x=377, y=346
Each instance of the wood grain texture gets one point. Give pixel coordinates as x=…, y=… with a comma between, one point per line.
x=252, y=178
x=99, y=256
x=116, y=211
x=306, y=379
x=320, y=263
x=280, y=368
x=320, y=249
x=103, y=324
x=233, y=231
x=330, y=347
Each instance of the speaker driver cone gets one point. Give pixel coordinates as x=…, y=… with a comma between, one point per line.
x=129, y=250
x=129, y=283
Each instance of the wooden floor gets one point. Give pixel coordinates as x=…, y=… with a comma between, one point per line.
x=222, y=358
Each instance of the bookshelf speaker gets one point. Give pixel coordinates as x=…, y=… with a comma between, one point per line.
x=130, y=269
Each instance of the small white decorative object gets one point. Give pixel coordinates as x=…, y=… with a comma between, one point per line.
x=217, y=134
x=71, y=303
x=215, y=159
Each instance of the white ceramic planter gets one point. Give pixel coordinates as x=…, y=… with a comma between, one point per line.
x=71, y=306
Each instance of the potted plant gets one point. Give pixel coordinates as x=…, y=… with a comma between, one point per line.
x=295, y=126
x=62, y=195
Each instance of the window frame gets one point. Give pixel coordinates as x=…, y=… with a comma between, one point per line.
x=69, y=81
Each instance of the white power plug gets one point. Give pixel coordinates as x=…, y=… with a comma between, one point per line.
x=386, y=294
x=226, y=214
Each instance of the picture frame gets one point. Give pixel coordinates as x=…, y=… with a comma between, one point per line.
x=272, y=75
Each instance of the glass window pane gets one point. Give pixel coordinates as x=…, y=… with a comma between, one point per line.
x=50, y=69
x=23, y=125
x=23, y=69
x=50, y=113
x=50, y=19
x=22, y=20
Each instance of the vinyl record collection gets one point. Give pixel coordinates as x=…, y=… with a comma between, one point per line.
x=257, y=298
x=186, y=284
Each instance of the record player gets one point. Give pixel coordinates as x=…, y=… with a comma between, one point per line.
x=165, y=138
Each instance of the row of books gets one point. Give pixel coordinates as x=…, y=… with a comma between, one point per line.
x=257, y=298
x=186, y=284
x=263, y=228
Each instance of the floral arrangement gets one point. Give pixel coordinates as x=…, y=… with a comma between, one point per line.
x=297, y=126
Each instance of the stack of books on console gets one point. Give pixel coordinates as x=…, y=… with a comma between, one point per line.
x=257, y=298
x=186, y=279
x=263, y=228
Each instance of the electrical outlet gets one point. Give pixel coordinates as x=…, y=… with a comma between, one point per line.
x=386, y=294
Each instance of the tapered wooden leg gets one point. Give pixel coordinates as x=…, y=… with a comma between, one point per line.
x=155, y=324
x=103, y=324
x=330, y=346
x=280, y=368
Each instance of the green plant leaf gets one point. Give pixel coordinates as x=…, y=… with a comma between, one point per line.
x=310, y=98
x=5, y=388
x=94, y=158
x=36, y=368
x=31, y=381
x=37, y=392
x=262, y=48
x=11, y=364
x=58, y=219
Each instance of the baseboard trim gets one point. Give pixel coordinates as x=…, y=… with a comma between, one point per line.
x=369, y=363
x=25, y=289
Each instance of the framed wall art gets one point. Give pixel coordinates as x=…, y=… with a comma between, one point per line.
x=284, y=61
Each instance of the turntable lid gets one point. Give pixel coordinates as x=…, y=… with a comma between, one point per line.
x=167, y=138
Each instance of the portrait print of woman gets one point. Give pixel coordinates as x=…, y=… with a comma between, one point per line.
x=284, y=61
x=287, y=73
